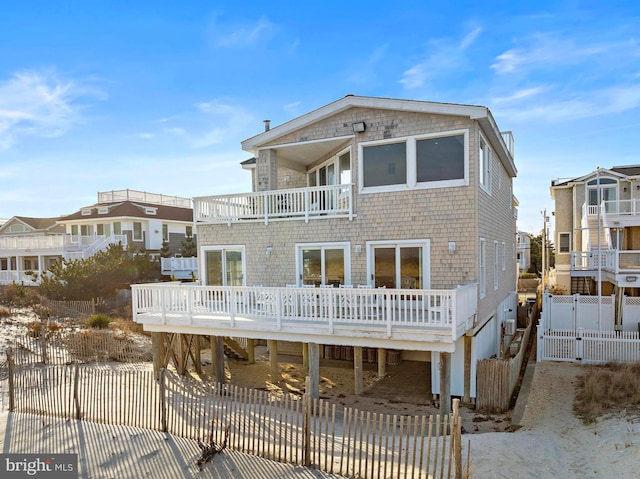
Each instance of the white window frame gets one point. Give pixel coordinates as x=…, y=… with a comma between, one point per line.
x=482, y=258
x=226, y=247
x=484, y=163
x=133, y=231
x=495, y=266
x=504, y=256
x=411, y=182
x=425, y=244
x=568, y=235
x=335, y=160
x=344, y=245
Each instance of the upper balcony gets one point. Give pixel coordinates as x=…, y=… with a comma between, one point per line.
x=317, y=202
x=430, y=320
x=616, y=213
x=621, y=267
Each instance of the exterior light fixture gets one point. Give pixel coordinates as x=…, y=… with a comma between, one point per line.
x=452, y=247
x=268, y=250
x=358, y=127
x=358, y=249
x=631, y=279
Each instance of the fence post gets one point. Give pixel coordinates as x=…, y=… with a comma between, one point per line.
x=456, y=440
x=43, y=342
x=540, y=343
x=163, y=400
x=306, y=411
x=11, y=388
x=76, y=399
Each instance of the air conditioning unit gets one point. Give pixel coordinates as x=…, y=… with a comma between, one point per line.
x=509, y=327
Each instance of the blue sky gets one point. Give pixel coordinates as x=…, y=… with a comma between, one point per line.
x=157, y=96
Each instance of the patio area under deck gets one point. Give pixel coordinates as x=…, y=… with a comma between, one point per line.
x=421, y=320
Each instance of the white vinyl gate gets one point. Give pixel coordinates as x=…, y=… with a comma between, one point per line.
x=588, y=346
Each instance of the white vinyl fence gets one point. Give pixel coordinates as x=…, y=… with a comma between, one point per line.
x=579, y=328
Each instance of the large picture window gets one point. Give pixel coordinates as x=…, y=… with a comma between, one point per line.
x=385, y=164
x=428, y=161
x=439, y=159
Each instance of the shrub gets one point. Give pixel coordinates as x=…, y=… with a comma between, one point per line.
x=528, y=276
x=608, y=388
x=4, y=312
x=41, y=311
x=99, y=321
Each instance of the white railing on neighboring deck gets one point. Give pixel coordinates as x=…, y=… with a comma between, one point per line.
x=613, y=260
x=293, y=203
x=275, y=309
x=33, y=242
x=179, y=264
x=90, y=245
x=19, y=277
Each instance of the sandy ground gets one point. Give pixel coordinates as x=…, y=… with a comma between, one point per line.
x=552, y=442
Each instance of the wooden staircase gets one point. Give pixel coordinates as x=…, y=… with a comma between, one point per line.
x=234, y=350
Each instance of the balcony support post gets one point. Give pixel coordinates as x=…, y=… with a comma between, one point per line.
x=314, y=371
x=382, y=362
x=445, y=383
x=466, y=399
x=217, y=358
x=274, y=369
x=357, y=369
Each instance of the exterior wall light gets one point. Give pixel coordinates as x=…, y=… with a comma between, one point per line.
x=358, y=127
x=268, y=250
x=452, y=247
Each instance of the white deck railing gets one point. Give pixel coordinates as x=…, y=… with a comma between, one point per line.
x=448, y=312
x=293, y=203
x=33, y=242
x=615, y=261
x=143, y=197
x=83, y=247
x=19, y=277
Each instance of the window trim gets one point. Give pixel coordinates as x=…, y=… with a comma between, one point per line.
x=496, y=274
x=411, y=182
x=568, y=235
x=224, y=247
x=484, y=167
x=482, y=259
x=425, y=244
x=133, y=231
x=344, y=245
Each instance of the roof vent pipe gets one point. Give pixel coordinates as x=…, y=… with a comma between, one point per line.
x=267, y=125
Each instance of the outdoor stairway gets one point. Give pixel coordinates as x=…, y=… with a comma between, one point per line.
x=234, y=350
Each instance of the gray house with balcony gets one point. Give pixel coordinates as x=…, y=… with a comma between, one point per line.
x=372, y=223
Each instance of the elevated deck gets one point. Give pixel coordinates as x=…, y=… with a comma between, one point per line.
x=427, y=320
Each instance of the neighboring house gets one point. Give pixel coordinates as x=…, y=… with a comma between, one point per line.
x=597, y=232
x=133, y=218
x=28, y=246
x=373, y=223
x=523, y=251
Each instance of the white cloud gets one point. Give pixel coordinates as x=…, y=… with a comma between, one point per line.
x=443, y=56
x=574, y=106
x=470, y=38
x=550, y=50
x=241, y=34
x=39, y=104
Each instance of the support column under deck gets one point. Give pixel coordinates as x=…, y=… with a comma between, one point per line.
x=445, y=383
x=357, y=369
x=466, y=399
x=314, y=370
x=272, y=344
x=382, y=362
x=217, y=359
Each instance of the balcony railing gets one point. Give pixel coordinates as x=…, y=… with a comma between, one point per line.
x=115, y=196
x=294, y=203
x=612, y=260
x=333, y=311
x=33, y=242
x=19, y=277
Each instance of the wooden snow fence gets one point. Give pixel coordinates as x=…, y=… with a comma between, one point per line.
x=69, y=308
x=71, y=347
x=285, y=428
